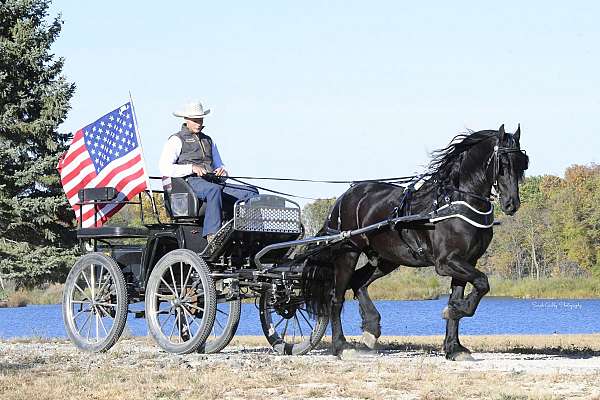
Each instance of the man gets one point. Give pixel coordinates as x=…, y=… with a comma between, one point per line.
x=192, y=154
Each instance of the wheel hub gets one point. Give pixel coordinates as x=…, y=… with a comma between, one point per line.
x=287, y=312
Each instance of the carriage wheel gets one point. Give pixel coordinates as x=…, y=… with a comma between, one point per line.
x=227, y=319
x=180, y=302
x=290, y=330
x=95, y=303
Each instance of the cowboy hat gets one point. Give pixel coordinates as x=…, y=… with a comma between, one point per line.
x=192, y=110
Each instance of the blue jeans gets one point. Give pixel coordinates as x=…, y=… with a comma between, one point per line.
x=215, y=195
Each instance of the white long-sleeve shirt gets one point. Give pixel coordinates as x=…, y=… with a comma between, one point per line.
x=168, y=159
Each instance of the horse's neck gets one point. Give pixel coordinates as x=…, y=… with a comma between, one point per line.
x=428, y=194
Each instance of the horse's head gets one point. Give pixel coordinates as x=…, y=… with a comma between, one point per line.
x=510, y=163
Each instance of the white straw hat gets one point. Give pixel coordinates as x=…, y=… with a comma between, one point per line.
x=192, y=110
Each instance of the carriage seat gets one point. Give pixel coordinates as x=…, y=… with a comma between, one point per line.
x=181, y=202
x=104, y=195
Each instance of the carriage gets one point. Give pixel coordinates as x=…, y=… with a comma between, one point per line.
x=192, y=291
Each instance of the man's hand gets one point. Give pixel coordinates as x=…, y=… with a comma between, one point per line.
x=220, y=172
x=199, y=170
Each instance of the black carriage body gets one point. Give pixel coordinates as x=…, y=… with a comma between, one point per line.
x=200, y=276
x=257, y=223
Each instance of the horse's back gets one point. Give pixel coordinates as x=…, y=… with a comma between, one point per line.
x=363, y=204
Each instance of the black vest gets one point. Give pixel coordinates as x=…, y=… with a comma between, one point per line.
x=195, y=149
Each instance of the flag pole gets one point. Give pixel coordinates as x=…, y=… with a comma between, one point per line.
x=137, y=133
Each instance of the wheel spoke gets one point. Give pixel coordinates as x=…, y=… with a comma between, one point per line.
x=287, y=321
x=219, y=323
x=174, y=281
x=104, y=327
x=100, y=285
x=223, y=312
x=169, y=287
x=179, y=325
x=193, y=319
x=166, y=320
x=79, y=313
x=279, y=323
x=187, y=323
x=82, y=292
x=106, y=282
x=85, y=322
x=299, y=327
x=93, y=287
x=187, y=277
x=107, y=305
x=97, y=328
x=195, y=306
x=87, y=283
x=87, y=336
x=309, y=324
x=174, y=324
x=181, y=277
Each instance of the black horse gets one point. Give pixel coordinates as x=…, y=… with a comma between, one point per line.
x=466, y=170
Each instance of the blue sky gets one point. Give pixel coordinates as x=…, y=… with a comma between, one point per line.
x=341, y=89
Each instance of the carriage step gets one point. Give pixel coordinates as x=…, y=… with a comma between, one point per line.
x=219, y=241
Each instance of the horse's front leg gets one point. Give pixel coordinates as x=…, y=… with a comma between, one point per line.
x=459, y=307
x=453, y=349
x=464, y=271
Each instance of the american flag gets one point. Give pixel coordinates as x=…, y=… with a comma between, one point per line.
x=105, y=153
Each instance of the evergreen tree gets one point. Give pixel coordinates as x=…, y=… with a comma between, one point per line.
x=36, y=239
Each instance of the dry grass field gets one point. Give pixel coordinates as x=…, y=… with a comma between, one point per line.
x=506, y=367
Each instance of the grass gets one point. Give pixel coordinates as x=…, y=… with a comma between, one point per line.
x=568, y=288
x=422, y=284
x=51, y=294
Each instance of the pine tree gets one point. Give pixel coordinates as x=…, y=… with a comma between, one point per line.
x=36, y=226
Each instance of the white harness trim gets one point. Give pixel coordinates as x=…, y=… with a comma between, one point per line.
x=463, y=217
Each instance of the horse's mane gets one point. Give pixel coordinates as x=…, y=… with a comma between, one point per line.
x=443, y=161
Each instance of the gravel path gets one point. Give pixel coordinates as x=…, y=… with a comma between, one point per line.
x=53, y=369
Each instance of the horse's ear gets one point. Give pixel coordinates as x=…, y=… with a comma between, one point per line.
x=501, y=133
x=517, y=134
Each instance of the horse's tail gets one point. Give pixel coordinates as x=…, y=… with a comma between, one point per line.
x=317, y=285
x=318, y=273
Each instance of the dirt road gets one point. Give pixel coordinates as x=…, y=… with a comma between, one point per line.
x=534, y=367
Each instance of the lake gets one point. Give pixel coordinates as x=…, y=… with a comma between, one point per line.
x=495, y=315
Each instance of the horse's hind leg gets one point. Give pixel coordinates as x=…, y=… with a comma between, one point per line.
x=371, y=319
x=344, y=268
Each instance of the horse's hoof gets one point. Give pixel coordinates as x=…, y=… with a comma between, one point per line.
x=349, y=354
x=369, y=340
x=460, y=356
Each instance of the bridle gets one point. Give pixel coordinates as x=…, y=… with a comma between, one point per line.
x=495, y=158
